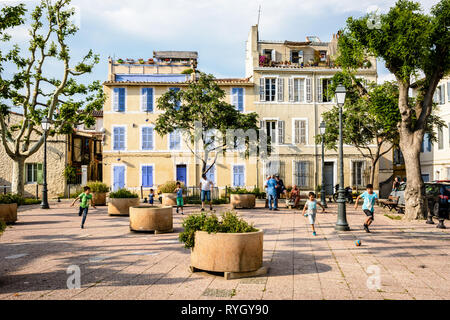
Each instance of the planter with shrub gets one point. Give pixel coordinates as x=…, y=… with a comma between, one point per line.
x=151, y=218
x=8, y=207
x=227, y=244
x=242, y=198
x=99, y=190
x=120, y=202
x=167, y=190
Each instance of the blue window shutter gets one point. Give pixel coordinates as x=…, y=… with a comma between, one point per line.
x=147, y=176
x=429, y=144
x=119, y=177
x=147, y=138
x=240, y=99
x=116, y=178
x=144, y=176
x=150, y=176
x=149, y=99
x=122, y=99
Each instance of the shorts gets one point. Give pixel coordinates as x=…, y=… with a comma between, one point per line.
x=180, y=202
x=312, y=218
x=206, y=194
x=369, y=214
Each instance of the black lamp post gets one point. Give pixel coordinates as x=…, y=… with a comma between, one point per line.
x=322, y=129
x=45, y=126
x=341, y=224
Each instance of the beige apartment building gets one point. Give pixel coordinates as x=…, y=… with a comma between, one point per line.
x=285, y=84
x=435, y=157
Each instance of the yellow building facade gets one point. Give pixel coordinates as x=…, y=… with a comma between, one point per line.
x=285, y=85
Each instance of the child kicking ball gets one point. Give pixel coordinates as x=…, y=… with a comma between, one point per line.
x=311, y=205
x=368, y=206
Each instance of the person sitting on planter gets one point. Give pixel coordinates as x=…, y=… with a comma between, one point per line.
x=295, y=195
x=151, y=196
x=272, y=187
x=206, y=186
x=179, y=192
x=84, y=198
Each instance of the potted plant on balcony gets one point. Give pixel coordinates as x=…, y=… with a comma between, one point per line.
x=227, y=244
x=8, y=207
x=150, y=61
x=120, y=202
x=167, y=190
x=99, y=190
x=141, y=61
x=119, y=60
x=242, y=198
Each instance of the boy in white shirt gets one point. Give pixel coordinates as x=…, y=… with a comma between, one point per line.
x=206, y=186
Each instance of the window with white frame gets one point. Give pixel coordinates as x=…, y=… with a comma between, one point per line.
x=267, y=89
x=274, y=130
x=175, y=140
x=300, y=131
x=301, y=173
x=147, y=99
x=147, y=138
x=237, y=98
x=297, y=91
x=147, y=176
x=119, y=99
x=119, y=138
x=34, y=173
x=322, y=90
x=238, y=176
x=357, y=173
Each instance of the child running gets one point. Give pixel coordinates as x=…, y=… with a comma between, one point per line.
x=179, y=192
x=368, y=206
x=84, y=204
x=311, y=205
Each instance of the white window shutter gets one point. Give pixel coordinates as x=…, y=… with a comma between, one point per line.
x=274, y=55
x=281, y=132
x=302, y=90
x=234, y=98
x=262, y=96
x=297, y=132
x=303, y=131
x=308, y=90
x=291, y=89
x=320, y=91
x=280, y=89
x=143, y=99
x=115, y=99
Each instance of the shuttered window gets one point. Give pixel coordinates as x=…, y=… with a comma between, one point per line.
x=147, y=99
x=280, y=85
x=301, y=174
x=238, y=176
x=147, y=138
x=300, y=131
x=237, y=98
x=308, y=90
x=119, y=97
x=281, y=132
x=175, y=140
x=119, y=138
x=34, y=173
x=147, y=176
x=357, y=173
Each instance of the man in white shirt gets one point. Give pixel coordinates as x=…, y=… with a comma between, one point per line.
x=206, y=187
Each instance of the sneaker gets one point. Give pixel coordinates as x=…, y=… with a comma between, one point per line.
x=210, y=208
x=270, y=209
x=366, y=227
x=182, y=213
x=203, y=209
x=82, y=227
x=177, y=210
x=314, y=233
x=276, y=209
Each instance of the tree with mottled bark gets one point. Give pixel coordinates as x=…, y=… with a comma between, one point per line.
x=30, y=87
x=415, y=47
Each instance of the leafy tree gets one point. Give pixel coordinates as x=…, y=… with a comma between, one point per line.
x=33, y=89
x=414, y=45
x=202, y=103
x=370, y=117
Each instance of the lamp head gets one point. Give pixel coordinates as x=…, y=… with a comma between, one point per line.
x=340, y=94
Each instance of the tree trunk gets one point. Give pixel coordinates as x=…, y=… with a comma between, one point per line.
x=415, y=203
x=17, y=183
x=373, y=172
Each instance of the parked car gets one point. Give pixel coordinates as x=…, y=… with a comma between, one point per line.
x=437, y=194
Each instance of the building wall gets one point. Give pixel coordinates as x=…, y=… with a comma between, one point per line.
x=56, y=162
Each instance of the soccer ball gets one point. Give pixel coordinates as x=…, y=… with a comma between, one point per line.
x=358, y=243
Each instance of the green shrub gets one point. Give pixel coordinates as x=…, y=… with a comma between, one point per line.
x=31, y=201
x=11, y=198
x=98, y=186
x=229, y=222
x=240, y=191
x=123, y=193
x=70, y=173
x=2, y=226
x=169, y=187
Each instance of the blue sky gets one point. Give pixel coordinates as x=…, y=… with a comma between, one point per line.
x=217, y=29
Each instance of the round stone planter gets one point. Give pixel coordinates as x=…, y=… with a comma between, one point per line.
x=227, y=252
x=121, y=206
x=169, y=199
x=99, y=198
x=8, y=213
x=150, y=218
x=246, y=201
x=261, y=203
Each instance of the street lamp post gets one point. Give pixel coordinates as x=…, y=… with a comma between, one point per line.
x=322, y=128
x=45, y=126
x=341, y=224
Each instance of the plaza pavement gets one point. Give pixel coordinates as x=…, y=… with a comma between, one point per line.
x=412, y=259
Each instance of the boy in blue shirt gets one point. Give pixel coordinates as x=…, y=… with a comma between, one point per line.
x=272, y=186
x=151, y=196
x=368, y=206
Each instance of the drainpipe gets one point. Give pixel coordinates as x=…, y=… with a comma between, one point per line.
x=314, y=94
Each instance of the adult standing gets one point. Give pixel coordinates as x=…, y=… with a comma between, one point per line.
x=206, y=187
x=281, y=188
x=272, y=187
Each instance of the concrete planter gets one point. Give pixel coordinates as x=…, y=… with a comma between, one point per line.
x=8, y=213
x=121, y=206
x=169, y=199
x=150, y=218
x=99, y=198
x=261, y=203
x=227, y=252
x=242, y=201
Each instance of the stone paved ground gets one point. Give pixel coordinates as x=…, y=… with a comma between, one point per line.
x=412, y=258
